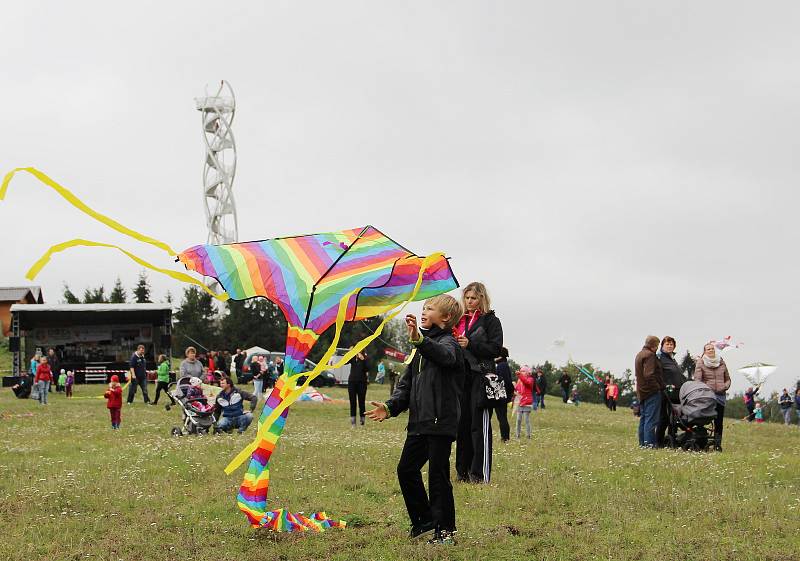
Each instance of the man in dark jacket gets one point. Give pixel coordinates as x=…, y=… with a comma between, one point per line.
x=138, y=375
x=238, y=363
x=229, y=403
x=649, y=385
x=430, y=391
x=785, y=401
x=565, y=382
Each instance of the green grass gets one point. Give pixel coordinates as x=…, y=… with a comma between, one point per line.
x=70, y=488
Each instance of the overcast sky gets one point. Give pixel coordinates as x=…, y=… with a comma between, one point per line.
x=608, y=169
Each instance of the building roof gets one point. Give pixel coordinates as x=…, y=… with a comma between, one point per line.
x=32, y=316
x=90, y=307
x=17, y=293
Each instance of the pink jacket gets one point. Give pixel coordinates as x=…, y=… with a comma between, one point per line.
x=525, y=389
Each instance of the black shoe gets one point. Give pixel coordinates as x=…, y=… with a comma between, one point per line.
x=461, y=478
x=423, y=532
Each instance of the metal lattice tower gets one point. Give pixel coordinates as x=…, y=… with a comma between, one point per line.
x=219, y=169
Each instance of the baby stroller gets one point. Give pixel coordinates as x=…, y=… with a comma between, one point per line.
x=691, y=422
x=195, y=421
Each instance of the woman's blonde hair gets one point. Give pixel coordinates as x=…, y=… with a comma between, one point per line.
x=480, y=291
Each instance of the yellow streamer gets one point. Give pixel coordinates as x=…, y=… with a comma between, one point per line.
x=322, y=365
x=80, y=205
x=183, y=277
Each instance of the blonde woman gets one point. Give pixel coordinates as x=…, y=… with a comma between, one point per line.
x=480, y=333
x=712, y=371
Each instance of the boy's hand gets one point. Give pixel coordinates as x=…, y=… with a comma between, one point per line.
x=411, y=327
x=380, y=413
x=463, y=341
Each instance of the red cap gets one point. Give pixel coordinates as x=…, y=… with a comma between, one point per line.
x=114, y=378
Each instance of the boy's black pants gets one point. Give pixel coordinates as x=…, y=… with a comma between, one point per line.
x=440, y=508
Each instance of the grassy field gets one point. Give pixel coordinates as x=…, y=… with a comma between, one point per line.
x=70, y=488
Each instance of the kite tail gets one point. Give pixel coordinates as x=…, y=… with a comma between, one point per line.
x=70, y=197
x=183, y=277
x=252, y=498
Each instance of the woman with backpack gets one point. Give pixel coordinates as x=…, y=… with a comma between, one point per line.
x=480, y=333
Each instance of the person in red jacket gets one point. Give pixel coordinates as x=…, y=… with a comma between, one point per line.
x=524, y=389
x=113, y=397
x=44, y=377
x=612, y=393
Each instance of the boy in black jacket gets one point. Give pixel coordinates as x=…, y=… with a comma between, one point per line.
x=430, y=389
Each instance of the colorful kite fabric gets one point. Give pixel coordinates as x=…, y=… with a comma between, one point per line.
x=726, y=342
x=307, y=276
x=316, y=280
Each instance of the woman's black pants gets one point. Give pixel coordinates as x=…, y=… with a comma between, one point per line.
x=357, y=392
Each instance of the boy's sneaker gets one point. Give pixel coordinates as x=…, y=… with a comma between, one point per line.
x=443, y=537
x=423, y=532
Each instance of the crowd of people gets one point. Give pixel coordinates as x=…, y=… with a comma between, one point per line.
x=457, y=379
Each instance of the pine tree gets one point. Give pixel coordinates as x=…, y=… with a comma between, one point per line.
x=687, y=365
x=95, y=295
x=142, y=291
x=196, y=320
x=118, y=295
x=69, y=297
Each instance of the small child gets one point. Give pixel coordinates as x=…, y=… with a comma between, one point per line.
x=62, y=381
x=430, y=389
x=524, y=390
x=575, y=397
x=759, y=412
x=195, y=392
x=113, y=397
x=612, y=394
x=68, y=384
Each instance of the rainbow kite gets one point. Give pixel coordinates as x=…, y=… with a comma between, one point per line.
x=318, y=281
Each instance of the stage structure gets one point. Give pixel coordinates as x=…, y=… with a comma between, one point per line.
x=219, y=169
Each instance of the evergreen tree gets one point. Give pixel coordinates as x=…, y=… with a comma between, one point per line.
x=95, y=295
x=69, y=297
x=168, y=297
x=142, y=291
x=196, y=320
x=253, y=322
x=118, y=295
x=687, y=365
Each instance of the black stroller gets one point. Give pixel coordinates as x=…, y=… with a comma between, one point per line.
x=691, y=423
x=195, y=420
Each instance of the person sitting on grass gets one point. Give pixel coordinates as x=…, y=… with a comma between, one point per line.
x=229, y=404
x=430, y=389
